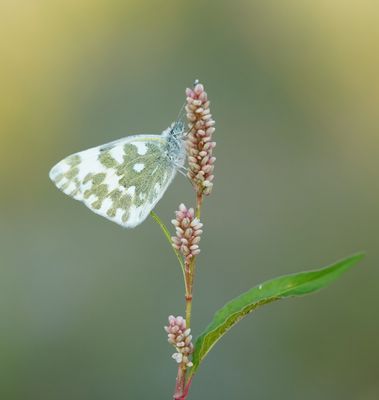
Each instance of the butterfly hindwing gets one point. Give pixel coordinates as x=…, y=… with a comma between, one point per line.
x=121, y=181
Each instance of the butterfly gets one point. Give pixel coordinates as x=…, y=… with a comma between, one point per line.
x=123, y=180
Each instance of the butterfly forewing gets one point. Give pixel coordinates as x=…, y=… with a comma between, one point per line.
x=122, y=180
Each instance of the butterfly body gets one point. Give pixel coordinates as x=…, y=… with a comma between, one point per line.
x=123, y=180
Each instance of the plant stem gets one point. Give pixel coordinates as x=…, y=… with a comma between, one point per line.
x=190, y=267
x=180, y=384
x=199, y=202
x=188, y=295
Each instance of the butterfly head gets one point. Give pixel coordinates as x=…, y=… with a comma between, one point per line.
x=177, y=129
x=175, y=136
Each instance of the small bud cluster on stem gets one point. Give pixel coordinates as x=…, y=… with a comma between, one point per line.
x=188, y=233
x=199, y=142
x=180, y=337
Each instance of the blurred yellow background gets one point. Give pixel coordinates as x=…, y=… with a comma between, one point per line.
x=294, y=91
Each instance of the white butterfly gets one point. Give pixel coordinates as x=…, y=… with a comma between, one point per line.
x=123, y=180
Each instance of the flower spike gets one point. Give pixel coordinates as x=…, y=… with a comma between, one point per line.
x=199, y=141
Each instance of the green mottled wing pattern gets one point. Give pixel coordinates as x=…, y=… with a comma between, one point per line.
x=121, y=181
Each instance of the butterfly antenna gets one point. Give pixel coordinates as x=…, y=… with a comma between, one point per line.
x=182, y=113
x=181, y=119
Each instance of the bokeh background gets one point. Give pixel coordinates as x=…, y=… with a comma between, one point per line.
x=294, y=90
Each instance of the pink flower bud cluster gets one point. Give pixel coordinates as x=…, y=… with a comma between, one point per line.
x=188, y=232
x=199, y=140
x=181, y=339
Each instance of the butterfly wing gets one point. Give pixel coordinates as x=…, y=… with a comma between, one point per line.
x=121, y=181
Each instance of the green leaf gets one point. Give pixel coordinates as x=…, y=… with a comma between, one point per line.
x=279, y=288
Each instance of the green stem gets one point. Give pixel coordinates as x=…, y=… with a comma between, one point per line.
x=190, y=276
x=190, y=268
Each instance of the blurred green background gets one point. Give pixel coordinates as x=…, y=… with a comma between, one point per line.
x=294, y=91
